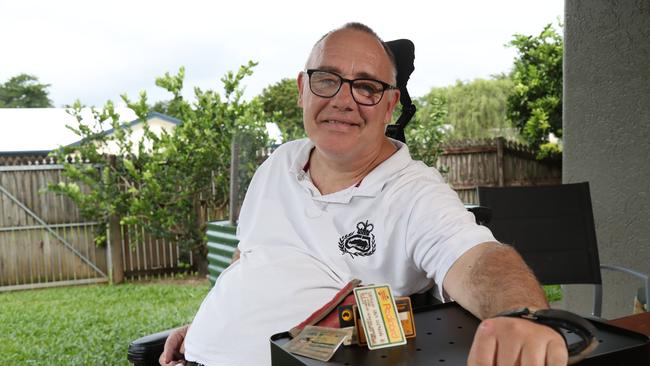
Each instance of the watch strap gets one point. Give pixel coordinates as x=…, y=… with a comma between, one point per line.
x=562, y=319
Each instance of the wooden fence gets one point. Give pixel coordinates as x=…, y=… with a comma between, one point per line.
x=42, y=236
x=495, y=162
x=45, y=242
x=26, y=158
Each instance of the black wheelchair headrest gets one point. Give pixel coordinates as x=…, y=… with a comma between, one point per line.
x=404, y=52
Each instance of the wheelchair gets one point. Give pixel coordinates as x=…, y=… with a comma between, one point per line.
x=145, y=351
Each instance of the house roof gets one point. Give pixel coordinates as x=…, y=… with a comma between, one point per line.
x=151, y=115
x=37, y=131
x=136, y=121
x=44, y=129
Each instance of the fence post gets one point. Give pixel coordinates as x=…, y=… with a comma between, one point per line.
x=116, y=263
x=114, y=242
x=234, y=180
x=199, y=252
x=500, y=175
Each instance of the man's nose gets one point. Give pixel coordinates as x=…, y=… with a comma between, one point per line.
x=344, y=99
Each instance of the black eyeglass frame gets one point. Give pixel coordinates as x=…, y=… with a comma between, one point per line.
x=385, y=86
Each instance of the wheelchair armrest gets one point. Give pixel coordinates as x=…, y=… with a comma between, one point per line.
x=482, y=214
x=145, y=351
x=424, y=301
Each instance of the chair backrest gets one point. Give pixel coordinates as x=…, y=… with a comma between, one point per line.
x=552, y=227
x=404, y=52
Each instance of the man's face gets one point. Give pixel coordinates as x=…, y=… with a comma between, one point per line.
x=339, y=127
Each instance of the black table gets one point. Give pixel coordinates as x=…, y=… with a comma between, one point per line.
x=444, y=336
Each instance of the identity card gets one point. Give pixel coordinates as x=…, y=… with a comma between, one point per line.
x=318, y=343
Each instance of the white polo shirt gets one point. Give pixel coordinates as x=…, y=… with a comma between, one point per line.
x=402, y=225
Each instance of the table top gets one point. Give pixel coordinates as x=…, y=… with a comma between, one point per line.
x=639, y=323
x=444, y=336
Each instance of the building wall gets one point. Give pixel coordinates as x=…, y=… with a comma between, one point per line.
x=607, y=136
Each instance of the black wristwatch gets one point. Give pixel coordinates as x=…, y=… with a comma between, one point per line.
x=561, y=319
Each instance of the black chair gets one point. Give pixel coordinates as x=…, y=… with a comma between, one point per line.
x=552, y=227
x=145, y=351
x=404, y=53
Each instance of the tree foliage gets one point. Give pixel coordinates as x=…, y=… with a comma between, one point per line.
x=280, y=101
x=160, y=182
x=167, y=107
x=478, y=109
x=425, y=133
x=24, y=91
x=465, y=110
x=535, y=106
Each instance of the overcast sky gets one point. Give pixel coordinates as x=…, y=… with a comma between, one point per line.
x=94, y=51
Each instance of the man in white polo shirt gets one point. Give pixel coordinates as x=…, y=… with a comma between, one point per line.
x=346, y=203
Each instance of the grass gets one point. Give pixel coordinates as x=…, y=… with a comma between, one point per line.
x=91, y=325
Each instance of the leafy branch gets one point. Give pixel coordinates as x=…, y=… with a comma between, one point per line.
x=162, y=182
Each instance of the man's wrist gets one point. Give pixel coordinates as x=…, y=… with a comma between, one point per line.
x=559, y=320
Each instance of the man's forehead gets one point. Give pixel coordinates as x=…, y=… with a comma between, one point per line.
x=350, y=51
x=360, y=72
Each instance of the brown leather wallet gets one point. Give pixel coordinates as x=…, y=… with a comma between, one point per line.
x=327, y=316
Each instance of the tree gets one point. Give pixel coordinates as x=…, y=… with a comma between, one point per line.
x=24, y=91
x=280, y=102
x=160, y=182
x=425, y=132
x=535, y=106
x=478, y=109
x=465, y=110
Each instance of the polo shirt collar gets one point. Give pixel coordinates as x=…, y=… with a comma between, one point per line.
x=371, y=185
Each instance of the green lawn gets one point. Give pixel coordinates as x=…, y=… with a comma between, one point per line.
x=91, y=325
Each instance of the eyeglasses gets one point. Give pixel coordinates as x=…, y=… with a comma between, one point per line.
x=327, y=84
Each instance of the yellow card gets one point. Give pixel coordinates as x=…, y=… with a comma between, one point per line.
x=379, y=317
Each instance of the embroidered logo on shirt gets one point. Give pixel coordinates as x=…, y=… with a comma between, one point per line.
x=361, y=243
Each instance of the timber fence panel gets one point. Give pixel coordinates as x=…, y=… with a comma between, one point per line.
x=38, y=254
x=152, y=257
x=494, y=162
x=43, y=241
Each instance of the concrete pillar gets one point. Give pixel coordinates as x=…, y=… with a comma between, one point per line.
x=607, y=136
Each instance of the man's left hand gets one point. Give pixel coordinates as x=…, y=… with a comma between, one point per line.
x=511, y=341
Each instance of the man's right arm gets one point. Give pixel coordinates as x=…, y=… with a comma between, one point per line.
x=235, y=255
x=174, y=351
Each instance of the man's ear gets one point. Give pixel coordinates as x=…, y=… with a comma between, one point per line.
x=300, y=79
x=392, y=104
